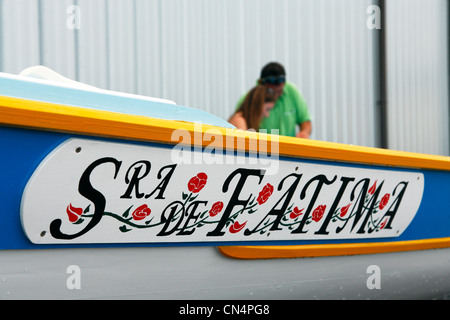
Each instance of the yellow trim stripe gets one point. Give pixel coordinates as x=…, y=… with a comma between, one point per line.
x=62, y=118
x=326, y=250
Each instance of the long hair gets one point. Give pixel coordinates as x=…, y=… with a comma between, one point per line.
x=252, y=106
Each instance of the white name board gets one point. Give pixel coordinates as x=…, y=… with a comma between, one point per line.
x=92, y=191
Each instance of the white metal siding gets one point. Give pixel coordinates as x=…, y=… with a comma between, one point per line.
x=418, y=118
x=20, y=35
x=207, y=53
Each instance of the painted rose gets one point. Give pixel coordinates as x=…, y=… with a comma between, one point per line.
x=141, y=212
x=74, y=213
x=296, y=212
x=383, y=224
x=384, y=201
x=216, y=208
x=197, y=183
x=236, y=227
x=265, y=193
x=344, y=210
x=318, y=213
x=373, y=187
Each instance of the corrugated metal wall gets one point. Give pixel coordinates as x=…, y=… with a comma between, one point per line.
x=207, y=53
x=418, y=114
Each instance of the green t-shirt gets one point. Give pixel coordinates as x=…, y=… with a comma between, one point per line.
x=289, y=110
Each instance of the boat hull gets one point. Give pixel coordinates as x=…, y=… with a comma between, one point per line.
x=202, y=273
x=93, y=207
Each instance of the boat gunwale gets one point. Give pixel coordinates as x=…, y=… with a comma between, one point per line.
x=47, y=116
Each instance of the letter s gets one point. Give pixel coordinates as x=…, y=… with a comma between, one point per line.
x=85, y=189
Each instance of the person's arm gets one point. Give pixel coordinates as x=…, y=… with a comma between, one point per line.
x=238, y=121
x=305, y=130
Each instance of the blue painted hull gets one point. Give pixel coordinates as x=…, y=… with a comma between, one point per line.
x=25, y=149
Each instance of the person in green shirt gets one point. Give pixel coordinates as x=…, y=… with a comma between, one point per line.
x=290, y=108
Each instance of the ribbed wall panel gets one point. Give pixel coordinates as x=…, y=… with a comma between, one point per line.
x=20, y=35
x=93, y=53
x=57, y=45
x=418, y=118
x=207, y=53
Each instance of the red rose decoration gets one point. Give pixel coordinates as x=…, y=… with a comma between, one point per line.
x=73, y=213
x=197, y=183
x=265, y=193
x=296, y=212
x=236, y=227
x=384, y=201
x=141, y=212
x=216, y=208
x=344, y=210
x=383, y=224
x=372, y=188
x=318, y=213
